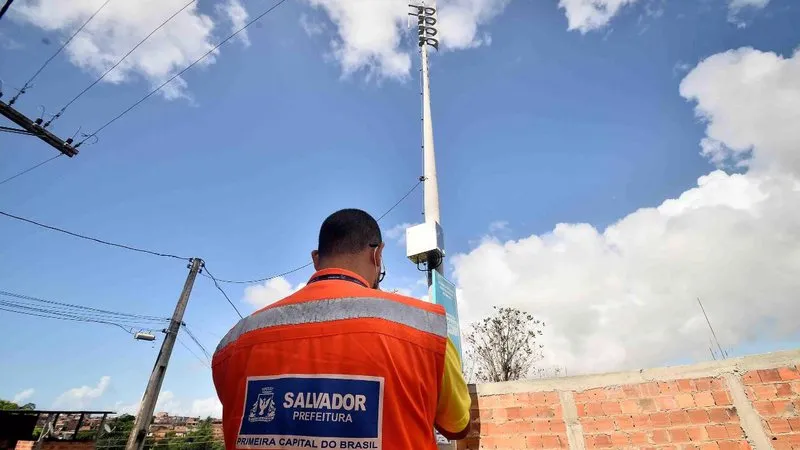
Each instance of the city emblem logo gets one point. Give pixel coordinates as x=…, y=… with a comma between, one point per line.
x=263, y=409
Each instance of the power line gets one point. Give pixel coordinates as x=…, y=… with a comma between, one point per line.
x=219, y=288
x=421, y=179
x=99, y=241
x=103, y=75
x=299, y=268
x=196, y=341
x=202, y=361
x=259, y=280
x=28, y=83
x=87, y=309
x=30, y=168
x=15, y=131
x=117, y=117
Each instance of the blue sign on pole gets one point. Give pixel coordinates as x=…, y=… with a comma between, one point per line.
x=444, y=293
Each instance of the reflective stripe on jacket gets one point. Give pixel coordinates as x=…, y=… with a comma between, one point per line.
x=334, y=365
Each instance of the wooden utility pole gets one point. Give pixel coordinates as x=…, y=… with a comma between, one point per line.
x=148, y=405
x=35, y=128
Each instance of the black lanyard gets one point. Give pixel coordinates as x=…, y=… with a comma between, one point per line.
x=337, y=276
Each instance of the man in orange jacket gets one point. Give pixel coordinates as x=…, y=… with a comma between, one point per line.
x=339, y=363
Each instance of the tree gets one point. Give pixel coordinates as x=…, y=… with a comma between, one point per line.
x=7, y=405
x=503, y=346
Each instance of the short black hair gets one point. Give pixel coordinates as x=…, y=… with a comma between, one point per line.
x=347, y=232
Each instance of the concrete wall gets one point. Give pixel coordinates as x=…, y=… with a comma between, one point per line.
x=743, y=403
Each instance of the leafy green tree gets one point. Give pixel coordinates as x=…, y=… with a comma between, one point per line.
x=504, y=346
x=6, y=405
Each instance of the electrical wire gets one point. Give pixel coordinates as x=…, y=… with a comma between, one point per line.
x=87, y=309
x=99, y=241
x=128, y=330
x=30, y=168
x=297, y=269
x=103, y=75
x=15, y=131
x=234, y=34
x=421, y=179
x=28, y=83
x=219, y=288
x=202, y=361
x=259, y=280
x=196, y=341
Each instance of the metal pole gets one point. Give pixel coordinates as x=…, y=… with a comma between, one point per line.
x=148, y=405
x=431, y=181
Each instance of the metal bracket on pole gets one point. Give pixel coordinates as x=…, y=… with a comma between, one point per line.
x=34, y=128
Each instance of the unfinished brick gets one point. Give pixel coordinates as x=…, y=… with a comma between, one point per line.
x=678, y=417
x=783, y=390
x=697, y=434
x=659, y=436
x=697, y=416
x=722, y=398
x=769, y=375
x=678, y=435
x=611, y=408
x=789, y=373
x=630, y=406
x=685, y=400
x=751, y=377
x=659, y=419
x=704, y=399
x=779, y=426
x=666, y=403
x=717, y=432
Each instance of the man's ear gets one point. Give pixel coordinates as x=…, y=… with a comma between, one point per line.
x=379, y=255
x=315, y=258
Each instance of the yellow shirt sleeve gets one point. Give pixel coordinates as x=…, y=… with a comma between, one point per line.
x=452, y=411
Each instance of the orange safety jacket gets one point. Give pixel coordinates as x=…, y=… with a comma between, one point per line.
x=334, y=365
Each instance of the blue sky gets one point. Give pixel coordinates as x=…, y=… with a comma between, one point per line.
x=536, y=126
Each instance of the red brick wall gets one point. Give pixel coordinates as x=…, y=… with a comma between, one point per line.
x=775, y=394
x=524, y=420
x=727, y=405
x=690, y=413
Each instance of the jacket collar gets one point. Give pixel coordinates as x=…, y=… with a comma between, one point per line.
x=337, y=271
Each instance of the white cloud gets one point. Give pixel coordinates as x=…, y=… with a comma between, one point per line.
x=625, y=297
x=22, y=397
x=498, y=226
x=373, y=36
x=261, y=295
x=237, y=16
x=398, y=232
x=736, y=5
x=588, y=15
x=311, y=26
x=751, y=101
x=81, y=397
x=121, y=25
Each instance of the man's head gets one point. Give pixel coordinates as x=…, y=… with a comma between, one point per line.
x=351, y=239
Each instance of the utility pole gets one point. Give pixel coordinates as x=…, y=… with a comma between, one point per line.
x=148, y=405
x=425, y=242
x=427, y=239
x=35, y=128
